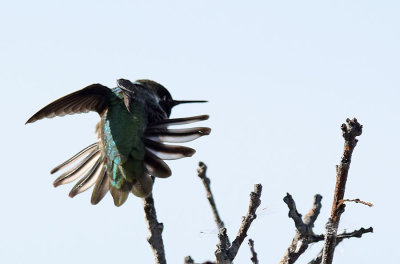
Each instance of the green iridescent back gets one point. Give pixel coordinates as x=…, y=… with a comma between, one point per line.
x=121, y=137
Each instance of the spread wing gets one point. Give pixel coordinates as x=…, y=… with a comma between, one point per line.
x=94, y=97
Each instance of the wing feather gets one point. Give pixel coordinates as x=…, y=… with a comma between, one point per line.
x=91, y=98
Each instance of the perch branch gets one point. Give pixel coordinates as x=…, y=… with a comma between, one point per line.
x=155, y=239
x=349, y=132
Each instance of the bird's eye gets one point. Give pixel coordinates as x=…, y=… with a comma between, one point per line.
x=164, y=98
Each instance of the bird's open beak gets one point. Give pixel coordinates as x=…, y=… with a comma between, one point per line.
x=176, y=102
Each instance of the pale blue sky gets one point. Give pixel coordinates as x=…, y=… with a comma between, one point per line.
x=281, y=76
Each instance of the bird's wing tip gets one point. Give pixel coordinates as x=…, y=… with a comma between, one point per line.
x=29, y=121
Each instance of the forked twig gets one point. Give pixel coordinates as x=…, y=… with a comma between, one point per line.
x=226, y=254
x=304, y=229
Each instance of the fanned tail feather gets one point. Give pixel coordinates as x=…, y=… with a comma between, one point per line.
x=178, y=121
x=143, y=186
x=102, y=186
x=94, y=168
x=168, y=152
x=176, y=135
x=119, y=195
x=157, y=133
x=156, y=166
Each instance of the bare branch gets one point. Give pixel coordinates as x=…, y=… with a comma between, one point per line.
x=357, y=233
x=304, y=233
x=255, y=202
x=350, y=132
x=222, y=247
x=206, y=181
x=225, y=254
x=224, y=242
x=155, y=239
x=254, y=258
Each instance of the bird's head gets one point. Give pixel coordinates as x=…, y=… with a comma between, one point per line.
x=164, y=97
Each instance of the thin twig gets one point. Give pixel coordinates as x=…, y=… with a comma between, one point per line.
x=201, y=171
x=254, y=258
x=255, y=202
x=356, y=201
x=155, y=239
x=304, y=233
x=226, y=254
x=350, y=132
x=357, y=233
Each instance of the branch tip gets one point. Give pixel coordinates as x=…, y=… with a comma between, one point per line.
x=254, y=257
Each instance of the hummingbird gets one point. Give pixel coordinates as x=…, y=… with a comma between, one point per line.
x=133, y=129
